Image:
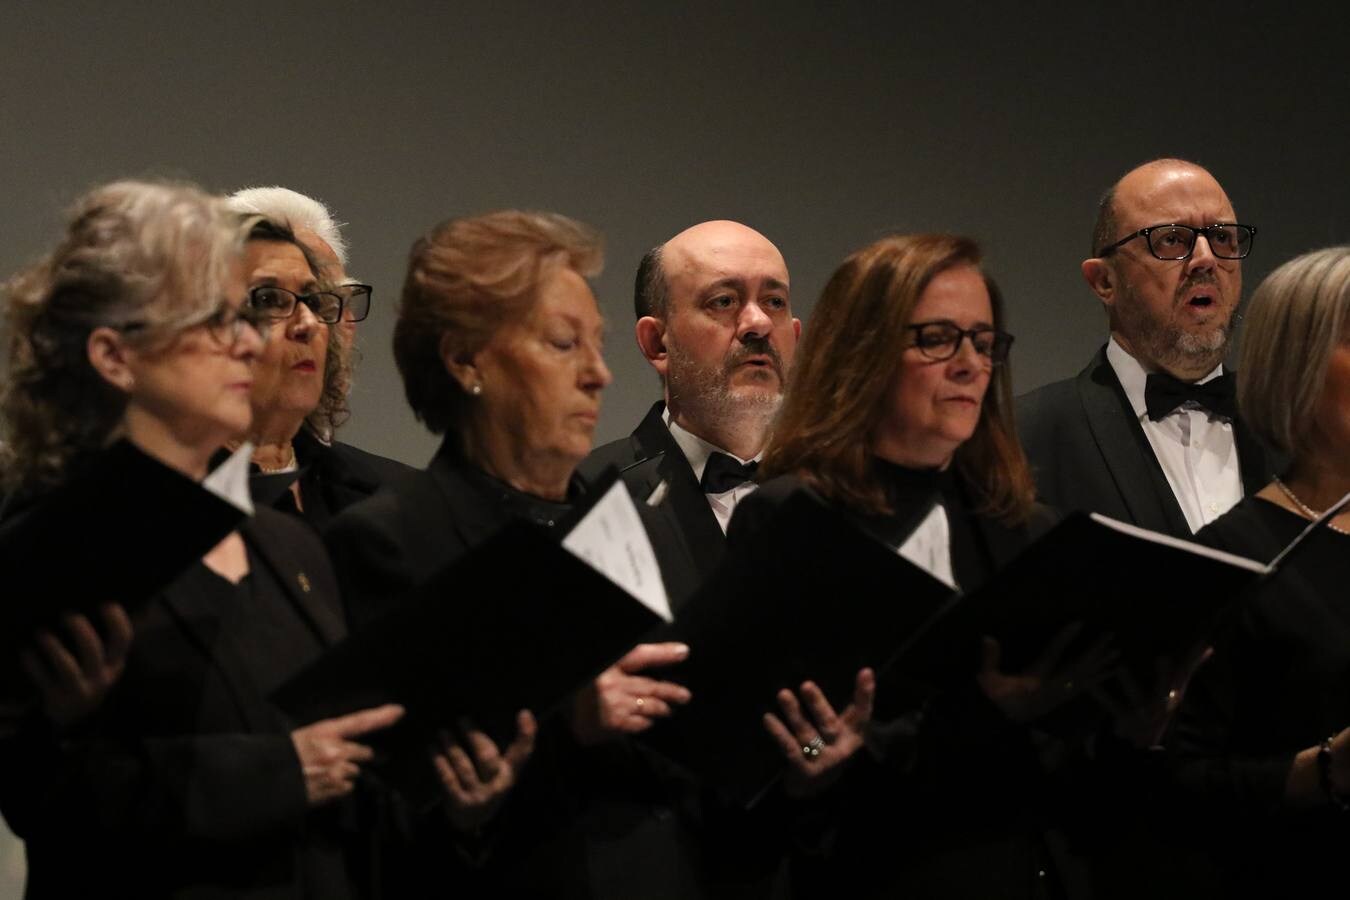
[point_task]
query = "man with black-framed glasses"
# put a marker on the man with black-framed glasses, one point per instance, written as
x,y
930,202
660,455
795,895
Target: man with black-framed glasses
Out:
x,y
1149,432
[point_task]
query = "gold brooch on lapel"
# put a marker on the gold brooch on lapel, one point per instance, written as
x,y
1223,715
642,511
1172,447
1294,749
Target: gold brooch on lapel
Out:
x,y
303,580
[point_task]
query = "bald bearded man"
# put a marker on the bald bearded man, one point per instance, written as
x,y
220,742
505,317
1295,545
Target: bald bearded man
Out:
x,y
715,322
1149,431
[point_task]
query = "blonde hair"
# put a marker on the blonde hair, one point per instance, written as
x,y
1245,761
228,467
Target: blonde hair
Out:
x,y
1294,320
150,258
466,279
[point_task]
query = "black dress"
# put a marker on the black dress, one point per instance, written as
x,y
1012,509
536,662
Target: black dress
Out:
x,y
1278,683
950,799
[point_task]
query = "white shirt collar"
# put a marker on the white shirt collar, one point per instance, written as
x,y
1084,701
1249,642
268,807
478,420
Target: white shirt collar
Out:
x,y
1133,375
695,448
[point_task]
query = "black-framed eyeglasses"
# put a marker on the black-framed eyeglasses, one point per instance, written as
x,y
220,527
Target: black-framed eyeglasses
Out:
x,y
355,301
277,304
225,325
940,341
1227,240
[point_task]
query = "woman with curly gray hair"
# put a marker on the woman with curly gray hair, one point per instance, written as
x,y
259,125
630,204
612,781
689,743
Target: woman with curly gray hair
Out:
x,y
300,396
182,781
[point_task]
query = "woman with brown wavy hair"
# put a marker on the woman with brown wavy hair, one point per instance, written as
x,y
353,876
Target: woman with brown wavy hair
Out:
x,y
899,412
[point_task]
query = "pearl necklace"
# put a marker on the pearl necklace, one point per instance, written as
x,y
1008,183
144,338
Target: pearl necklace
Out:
x,y
1305,509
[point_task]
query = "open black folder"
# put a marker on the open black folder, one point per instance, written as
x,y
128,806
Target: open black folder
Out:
x,y
813,596
519,623
1155,596
808,596
118,532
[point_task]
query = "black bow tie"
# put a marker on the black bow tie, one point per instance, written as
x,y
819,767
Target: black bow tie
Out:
x,y
722,473
1163,393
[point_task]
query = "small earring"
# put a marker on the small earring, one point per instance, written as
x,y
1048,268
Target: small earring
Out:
x,y
476,390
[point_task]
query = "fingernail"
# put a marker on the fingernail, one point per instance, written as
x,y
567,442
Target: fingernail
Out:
x,y
681,649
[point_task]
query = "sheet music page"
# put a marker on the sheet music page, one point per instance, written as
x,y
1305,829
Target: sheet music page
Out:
x,y
612,540
1157,537
229,480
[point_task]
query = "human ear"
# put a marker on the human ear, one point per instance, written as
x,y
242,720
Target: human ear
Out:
x,y
651,338
111,358
462,366
1099,276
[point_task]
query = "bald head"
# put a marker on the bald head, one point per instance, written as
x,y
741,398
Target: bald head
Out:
x,y
1143,182
720,245
714,321
1170,311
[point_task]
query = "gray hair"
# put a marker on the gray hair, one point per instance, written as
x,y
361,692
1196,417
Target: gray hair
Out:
x,y
152,255
295,210
1294,321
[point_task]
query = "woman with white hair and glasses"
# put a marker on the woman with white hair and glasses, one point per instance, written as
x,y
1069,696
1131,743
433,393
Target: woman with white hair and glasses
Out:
x,y
181,780
1261,741
297,263
298,401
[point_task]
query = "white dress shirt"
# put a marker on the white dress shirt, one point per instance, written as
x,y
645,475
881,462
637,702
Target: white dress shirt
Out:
x,y
697,451
1195,447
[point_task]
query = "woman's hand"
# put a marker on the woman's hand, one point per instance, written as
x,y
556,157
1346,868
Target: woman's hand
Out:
x,y
623,702
1048,682
329,760
72,684
816,750
476,776
1141,715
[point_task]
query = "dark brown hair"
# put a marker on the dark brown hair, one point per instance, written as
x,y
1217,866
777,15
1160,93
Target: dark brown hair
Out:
x,y
847,362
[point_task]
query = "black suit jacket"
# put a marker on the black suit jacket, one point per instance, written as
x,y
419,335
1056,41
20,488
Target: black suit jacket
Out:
x,y
1088,451
185,782
335,476
682,525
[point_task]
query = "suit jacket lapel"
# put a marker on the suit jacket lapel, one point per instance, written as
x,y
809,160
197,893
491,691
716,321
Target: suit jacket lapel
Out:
x,y
685,503
1126,452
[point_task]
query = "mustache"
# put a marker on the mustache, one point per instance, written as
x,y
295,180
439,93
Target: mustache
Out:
x,y
756,346
1196,280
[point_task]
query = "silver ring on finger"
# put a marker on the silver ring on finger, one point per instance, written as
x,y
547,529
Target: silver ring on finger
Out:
x,y
638,704
812,749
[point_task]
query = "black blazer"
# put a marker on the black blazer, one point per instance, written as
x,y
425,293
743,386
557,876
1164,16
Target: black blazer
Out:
x,y
335,476
185,782
682,525
1088,452
590,823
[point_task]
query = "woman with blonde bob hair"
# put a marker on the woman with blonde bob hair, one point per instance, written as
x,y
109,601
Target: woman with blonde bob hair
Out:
x,y
1261,737
899,413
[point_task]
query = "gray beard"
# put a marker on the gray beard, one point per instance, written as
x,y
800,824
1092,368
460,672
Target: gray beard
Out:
x,y
704,393
1169,345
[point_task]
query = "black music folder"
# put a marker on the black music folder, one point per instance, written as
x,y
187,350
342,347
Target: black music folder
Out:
x,y
520,622
119,532
1155,596
809,596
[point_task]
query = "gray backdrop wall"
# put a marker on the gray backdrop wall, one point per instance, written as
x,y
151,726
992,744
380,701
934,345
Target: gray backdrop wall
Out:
x,y
823,125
